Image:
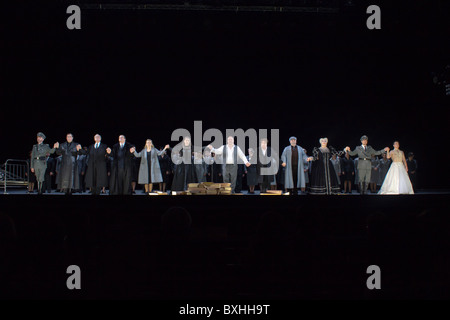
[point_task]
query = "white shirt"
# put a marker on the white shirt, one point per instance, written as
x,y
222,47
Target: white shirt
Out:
x,y
263,151
230,154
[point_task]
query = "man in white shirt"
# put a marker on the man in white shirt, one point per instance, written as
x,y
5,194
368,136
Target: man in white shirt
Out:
x,y
230,152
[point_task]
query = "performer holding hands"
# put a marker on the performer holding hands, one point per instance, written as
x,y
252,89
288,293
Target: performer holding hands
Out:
x,y
149,169
39,155
68,178
121,167
230,153
364,153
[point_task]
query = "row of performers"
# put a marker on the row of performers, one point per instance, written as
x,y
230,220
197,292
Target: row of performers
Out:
x,y
294,161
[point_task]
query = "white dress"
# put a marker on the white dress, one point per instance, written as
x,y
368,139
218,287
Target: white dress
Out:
x,y
397,179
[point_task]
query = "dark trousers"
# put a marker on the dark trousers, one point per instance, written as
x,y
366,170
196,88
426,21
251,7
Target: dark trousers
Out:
x,y
48,183
294,178
123,181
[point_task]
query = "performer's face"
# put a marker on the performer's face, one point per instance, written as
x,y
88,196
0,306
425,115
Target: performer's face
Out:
x,y
97,138
148,143
122,139
230,140
263,144
334,157
69,138
324,143
250,151
364,142
396,145
40,139
410,158
187,142
293,142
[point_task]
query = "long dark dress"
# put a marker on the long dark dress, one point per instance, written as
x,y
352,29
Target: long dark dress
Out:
x,y
184,172
348,167
149,166
165,165
68,177
323,176
266,161
252,176
200,170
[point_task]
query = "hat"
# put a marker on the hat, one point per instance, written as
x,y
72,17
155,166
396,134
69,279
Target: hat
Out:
x,y
364,138
411,154
40,134
292,138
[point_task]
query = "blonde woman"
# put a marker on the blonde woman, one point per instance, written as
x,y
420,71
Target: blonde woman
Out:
x,y
397,179
149,169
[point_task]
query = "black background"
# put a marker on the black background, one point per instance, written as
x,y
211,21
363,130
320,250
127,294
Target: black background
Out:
x,y
144,73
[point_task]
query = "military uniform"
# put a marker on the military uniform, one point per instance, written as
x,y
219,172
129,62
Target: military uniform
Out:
x,y
364,166
39,156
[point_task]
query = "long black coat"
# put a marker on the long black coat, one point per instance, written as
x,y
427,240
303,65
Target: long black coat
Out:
x,y
68,177
114,188
96,173
269,160
184,172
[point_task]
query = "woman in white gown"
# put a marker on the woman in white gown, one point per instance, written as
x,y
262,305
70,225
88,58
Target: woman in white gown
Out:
x,y
397,179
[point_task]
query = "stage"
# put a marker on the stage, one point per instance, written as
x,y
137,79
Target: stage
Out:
x,y
226,247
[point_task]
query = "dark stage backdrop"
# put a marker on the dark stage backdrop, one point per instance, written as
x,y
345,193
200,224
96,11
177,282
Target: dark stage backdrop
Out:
x,y
145,73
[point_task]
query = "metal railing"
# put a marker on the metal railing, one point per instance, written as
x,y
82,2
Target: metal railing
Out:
x,y
14,173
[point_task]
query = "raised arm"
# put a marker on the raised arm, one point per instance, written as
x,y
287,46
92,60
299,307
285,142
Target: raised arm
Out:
x,y
160,153
84,152
379,152
352,153
242,155
315,153
52,150
337,153
77,150
216,151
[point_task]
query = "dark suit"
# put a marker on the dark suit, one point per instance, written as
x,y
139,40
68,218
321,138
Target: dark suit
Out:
x,y
121,169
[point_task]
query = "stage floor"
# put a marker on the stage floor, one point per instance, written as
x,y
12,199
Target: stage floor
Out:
x,y
12,191
233,247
